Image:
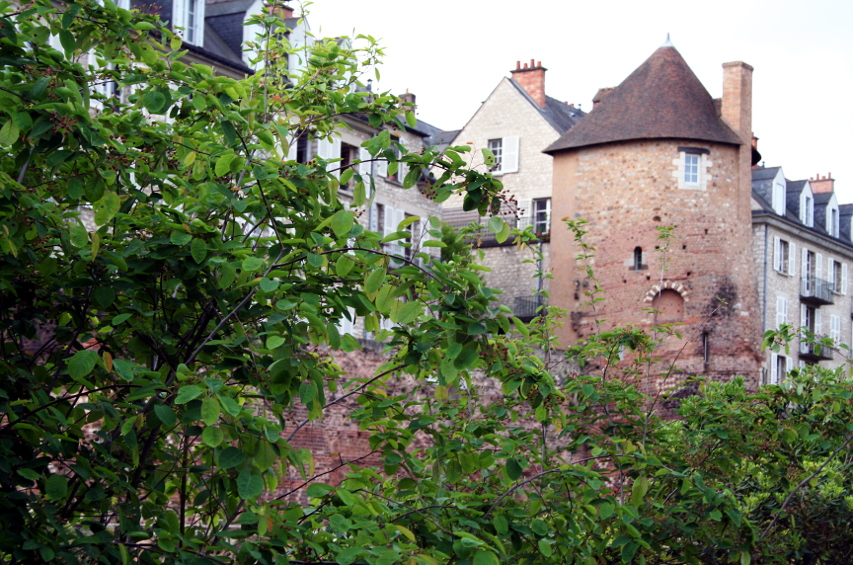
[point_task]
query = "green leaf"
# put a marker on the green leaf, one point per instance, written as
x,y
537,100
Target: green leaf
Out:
x,y
180,237
342,222
269,285
66,39
210,410
212,436
344,265
106,208
318,490
82,363
249,485
252,264
373,281
78,235
223,164
513,469
187,393
56,487
198,250
275,341
153,101
166,415
545,548
638,490
9,133
230,457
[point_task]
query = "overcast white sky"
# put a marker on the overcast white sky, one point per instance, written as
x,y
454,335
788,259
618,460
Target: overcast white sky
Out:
x,y
451,54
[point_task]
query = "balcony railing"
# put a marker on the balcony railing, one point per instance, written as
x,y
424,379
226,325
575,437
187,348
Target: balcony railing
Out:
x,y
528,307
816,352
816,291
459,220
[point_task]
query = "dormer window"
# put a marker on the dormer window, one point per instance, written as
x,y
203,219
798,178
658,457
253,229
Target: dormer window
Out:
x,y
833,222
807,211
779,198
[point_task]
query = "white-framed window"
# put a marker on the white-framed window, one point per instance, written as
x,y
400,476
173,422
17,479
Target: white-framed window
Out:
x,y
783,253
837,276
781,311
189,16
691,168
542,215
389,218
779,198
505,150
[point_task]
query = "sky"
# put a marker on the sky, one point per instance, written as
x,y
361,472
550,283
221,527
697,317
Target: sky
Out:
x,y
452,54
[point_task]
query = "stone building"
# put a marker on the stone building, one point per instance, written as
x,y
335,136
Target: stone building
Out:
x,y
802,249
516,122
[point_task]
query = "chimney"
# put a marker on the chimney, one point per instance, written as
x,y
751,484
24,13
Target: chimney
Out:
x,y
737,98
408,99
823,183
600,96
532,80
281,10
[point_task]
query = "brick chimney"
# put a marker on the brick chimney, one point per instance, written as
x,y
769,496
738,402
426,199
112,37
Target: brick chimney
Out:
x,y
408,98
281,10
600,96
531,79
736,107
823,183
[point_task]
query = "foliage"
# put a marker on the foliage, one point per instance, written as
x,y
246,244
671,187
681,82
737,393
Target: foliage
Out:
x,y
152,359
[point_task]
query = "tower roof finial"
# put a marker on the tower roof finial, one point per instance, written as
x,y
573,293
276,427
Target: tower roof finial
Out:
x,y
668,42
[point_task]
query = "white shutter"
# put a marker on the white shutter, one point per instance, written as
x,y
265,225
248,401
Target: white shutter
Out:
x,y
777,253
789,364
388,221
803,315
781,311
843,278
509,160
364,157
330,149
817,266
792,259
526,215
774,377
805,262
373,223
179,16
817,322
292,148
835,328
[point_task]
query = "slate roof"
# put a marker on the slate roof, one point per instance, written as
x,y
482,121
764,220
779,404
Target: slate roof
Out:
x,y
560,115
764,173
792,195
662,98
845,213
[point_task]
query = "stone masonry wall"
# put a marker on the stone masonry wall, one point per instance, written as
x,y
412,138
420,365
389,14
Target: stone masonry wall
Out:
x,y
626,191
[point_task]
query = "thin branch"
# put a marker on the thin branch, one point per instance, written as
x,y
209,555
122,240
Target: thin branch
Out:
x,y
803,483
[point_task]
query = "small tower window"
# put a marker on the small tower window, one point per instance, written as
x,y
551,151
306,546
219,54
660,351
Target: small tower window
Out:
x,y
691,168
638,258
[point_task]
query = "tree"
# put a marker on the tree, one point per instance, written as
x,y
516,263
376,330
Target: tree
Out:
x,y
149,358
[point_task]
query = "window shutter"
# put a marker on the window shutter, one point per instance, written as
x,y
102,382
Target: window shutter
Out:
x,y
792,259
292,148
805,262
510,154
817,265
777,253
402,168
780,311
835,328
374,218
774,361
364,157
789,364
843,278
381,168
817,322
803,315
526,214
179,16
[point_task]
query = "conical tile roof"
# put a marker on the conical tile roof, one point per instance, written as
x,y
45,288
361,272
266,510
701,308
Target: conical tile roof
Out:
x,y
661,99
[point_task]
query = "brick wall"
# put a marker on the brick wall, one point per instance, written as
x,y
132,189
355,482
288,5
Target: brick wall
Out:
x,y
626,191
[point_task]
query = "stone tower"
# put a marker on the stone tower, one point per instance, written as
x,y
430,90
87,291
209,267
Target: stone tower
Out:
x,y
658,151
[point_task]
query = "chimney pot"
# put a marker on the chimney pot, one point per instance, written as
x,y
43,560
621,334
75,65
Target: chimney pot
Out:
x,y
517,65
539,64
525,65
532,64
